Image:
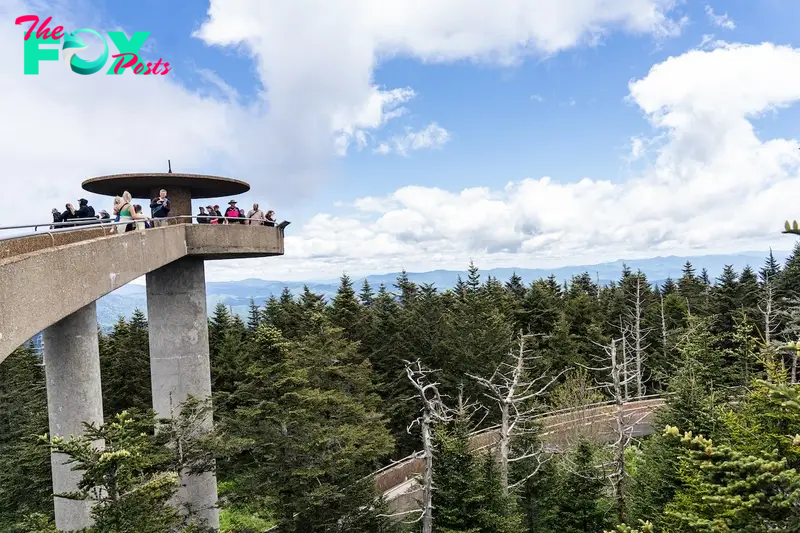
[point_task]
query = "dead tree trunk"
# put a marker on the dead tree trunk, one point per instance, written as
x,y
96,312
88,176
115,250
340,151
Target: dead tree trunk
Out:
x,y
433,412
637,336
618,479
664,339
427,476
612,362
513,389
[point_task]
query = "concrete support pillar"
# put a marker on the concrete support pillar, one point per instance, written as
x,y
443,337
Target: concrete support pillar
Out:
x,y
74,396
179,361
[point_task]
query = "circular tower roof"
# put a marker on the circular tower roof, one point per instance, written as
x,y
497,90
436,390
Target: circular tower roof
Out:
x,y
142,185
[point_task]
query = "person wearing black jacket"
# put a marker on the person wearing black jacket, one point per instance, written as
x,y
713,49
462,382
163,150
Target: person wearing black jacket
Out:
x,y
69,214
84,209
160,206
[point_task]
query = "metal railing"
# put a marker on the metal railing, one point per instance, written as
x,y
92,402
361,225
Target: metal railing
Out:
x,y
89,223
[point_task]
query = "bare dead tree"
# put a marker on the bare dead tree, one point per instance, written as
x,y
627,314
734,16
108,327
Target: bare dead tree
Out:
x,y
638,334
625,371
514,388
434,411
611,363
790,315
769,311
664,336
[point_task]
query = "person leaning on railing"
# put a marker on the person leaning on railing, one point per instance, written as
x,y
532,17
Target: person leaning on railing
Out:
x,y
255,216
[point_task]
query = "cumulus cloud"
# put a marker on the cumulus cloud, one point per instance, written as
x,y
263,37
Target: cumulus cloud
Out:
x,y
432,136
713,186
723,21
314,60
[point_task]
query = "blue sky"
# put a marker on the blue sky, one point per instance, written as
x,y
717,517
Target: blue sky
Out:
x,y
563,116
562,108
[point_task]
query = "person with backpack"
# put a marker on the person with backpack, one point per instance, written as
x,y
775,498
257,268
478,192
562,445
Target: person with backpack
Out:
x,y
85,210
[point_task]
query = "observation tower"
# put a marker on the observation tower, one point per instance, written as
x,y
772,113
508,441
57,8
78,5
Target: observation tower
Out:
x,y
60,274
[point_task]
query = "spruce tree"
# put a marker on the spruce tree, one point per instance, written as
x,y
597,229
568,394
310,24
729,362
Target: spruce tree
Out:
x,y
366,295
770,270
691,288
516,288
724,304
407,289
218,324
229,359
310,409
133,476
125,365
468,496
788,283
580,494
346,312
254,316
668,287
25,482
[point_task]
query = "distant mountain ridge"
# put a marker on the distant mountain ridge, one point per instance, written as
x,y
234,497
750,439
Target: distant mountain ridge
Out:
x,y
237,294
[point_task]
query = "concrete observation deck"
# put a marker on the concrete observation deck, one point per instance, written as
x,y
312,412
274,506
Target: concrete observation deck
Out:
x,y
181,188
50,282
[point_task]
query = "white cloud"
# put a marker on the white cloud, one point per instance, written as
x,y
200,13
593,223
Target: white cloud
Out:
x,y
537,98
713,186
433,136
314,60
638,147
723,21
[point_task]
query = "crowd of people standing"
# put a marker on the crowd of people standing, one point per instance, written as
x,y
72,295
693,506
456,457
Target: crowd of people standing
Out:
x,y
211,214
129,217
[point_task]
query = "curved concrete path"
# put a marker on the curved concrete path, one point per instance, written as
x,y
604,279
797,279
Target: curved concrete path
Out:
x,y
399,482
46,277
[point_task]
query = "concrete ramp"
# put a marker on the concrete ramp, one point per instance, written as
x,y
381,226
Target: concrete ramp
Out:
x,y
400,486
47,277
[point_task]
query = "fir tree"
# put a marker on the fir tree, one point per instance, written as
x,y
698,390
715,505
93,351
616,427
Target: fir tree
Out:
x,y
788,283
580,494
468,496
725,300
366,295
135,473
473,278
219,323
770,270
254,316
25,482
669,287
408,289
310,410
346,312
125,365
691,288
516,288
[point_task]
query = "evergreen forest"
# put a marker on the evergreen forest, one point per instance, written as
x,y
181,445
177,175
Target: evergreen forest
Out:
x,y
313,396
